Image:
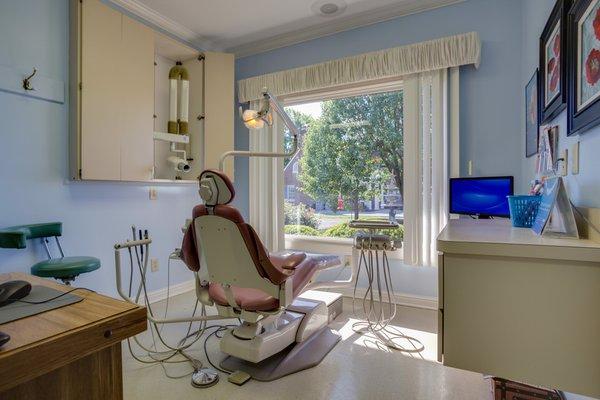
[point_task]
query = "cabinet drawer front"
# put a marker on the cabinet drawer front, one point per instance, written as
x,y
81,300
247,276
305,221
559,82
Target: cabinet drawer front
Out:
x,y
65,348
524,319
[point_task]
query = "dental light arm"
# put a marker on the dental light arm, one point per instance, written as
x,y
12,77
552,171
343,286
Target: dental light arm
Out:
x,y
256,119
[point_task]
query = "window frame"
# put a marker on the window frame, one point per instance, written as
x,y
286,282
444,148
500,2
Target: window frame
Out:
x,y
341,246
288,191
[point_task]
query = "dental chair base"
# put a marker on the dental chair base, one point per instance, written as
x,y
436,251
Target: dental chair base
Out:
x,y
296,340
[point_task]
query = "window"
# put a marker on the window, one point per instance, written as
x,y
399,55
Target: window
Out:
x,y
352,164
290,193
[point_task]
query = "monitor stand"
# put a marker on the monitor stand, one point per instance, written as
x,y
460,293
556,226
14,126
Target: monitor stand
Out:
x,y
479,216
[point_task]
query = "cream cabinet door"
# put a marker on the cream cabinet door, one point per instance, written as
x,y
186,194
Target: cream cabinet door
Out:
x,y
117,95
219,110
137,105
100,88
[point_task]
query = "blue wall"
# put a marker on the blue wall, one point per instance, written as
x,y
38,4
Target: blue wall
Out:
x,y
490,96
34,158
583,188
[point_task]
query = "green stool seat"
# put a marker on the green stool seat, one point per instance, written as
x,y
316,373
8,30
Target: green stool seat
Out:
x,y
66,267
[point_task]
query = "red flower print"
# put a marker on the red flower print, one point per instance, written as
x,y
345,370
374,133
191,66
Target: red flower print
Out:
x,y
557,44
596,24
554,79
592,67
551,65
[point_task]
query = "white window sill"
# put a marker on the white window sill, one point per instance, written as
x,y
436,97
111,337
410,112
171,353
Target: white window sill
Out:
x,y
329,245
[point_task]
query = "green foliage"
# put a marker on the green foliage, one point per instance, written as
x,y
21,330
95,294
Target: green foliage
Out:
x,y
300,214
301,230
343,230
353,149
384,129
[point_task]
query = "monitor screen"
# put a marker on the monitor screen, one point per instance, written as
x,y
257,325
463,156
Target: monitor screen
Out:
x,y
485,196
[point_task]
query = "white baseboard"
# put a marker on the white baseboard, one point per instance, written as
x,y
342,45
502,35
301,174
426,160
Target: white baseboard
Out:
x,y
402,299
179,288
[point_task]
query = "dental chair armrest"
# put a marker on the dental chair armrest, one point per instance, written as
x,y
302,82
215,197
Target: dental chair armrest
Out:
x,y
287,261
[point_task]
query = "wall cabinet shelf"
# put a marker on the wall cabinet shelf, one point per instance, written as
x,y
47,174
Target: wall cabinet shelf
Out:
x,y
120,101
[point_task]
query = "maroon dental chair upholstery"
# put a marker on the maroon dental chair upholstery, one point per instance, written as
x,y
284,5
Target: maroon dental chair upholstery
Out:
x,y
280,333
277,269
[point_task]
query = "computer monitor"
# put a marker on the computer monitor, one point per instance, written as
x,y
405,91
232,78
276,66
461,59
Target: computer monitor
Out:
x,y
481,196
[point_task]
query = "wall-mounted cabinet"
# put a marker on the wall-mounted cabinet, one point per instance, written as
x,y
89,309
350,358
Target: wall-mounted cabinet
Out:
x,y
122,101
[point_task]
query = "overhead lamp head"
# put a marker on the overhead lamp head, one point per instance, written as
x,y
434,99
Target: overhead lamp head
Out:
x,y
253,120
256,119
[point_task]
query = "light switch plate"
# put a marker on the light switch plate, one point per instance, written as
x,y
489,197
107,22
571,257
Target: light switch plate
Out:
x,y
154,265
575,158
153,193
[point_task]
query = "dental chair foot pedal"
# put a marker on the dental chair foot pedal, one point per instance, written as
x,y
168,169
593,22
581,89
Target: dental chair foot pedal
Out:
x,y
204,378
239,377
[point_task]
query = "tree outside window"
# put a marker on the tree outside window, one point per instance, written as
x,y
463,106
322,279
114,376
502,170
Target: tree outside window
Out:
x,y
350,164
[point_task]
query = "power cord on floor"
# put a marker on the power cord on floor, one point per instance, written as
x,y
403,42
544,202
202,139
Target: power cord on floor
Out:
x,y
220,328
173,352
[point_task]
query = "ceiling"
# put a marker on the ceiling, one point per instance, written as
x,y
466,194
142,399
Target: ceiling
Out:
x,y
249,27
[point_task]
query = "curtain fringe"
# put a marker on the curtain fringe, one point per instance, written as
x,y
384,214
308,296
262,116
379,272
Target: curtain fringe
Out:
x,y
452,51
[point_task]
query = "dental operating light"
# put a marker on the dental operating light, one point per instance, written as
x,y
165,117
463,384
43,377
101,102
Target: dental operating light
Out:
x,y
256,119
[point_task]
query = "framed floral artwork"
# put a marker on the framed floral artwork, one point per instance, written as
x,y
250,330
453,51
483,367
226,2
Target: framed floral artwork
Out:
x,y
553,67
532,116
584,66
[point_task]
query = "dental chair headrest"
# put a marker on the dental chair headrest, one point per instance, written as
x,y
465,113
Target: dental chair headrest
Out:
x,y
215,188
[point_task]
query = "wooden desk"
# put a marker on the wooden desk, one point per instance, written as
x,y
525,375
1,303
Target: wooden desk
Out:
x,y
73,352
520,306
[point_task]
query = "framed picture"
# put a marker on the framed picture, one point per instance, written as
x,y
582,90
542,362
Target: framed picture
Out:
x,y
553,67
584,66
532,116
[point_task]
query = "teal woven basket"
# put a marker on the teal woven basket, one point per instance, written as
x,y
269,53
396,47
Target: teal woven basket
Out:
x,y
523,210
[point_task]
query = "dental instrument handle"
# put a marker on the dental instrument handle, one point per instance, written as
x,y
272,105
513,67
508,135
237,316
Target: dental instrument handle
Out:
x,y
132,243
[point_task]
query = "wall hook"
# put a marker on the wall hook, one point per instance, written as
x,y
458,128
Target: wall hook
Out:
x,y
27,80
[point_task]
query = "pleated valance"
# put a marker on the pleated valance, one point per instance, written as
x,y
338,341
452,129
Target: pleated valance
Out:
x,y
452,51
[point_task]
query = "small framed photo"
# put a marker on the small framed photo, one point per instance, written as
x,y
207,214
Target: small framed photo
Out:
x,y
584,66
532,116
553,67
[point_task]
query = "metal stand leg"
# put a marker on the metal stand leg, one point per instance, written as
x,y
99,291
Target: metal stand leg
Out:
x,y
377,318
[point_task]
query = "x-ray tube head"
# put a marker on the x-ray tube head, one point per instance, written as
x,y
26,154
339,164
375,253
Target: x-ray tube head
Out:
x,y
179,164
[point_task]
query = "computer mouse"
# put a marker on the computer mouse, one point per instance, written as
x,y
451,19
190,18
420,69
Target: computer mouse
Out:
x,y
4,338
12,291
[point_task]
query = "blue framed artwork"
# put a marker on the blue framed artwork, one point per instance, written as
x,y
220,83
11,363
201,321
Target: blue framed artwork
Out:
x,y
584,66
553,63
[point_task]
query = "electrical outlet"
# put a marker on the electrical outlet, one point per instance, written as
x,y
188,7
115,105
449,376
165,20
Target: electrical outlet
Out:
x,y
153,194
563,164
154,264
575,158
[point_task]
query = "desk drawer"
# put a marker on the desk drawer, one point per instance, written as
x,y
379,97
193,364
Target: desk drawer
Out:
x,y
57,351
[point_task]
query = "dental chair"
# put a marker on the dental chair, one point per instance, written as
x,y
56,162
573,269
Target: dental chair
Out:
x,y
280,333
